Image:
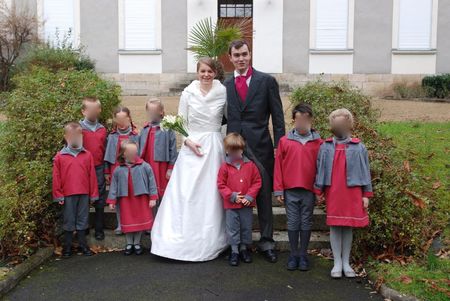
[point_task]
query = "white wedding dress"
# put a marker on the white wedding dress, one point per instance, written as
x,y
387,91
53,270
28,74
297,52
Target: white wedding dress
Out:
x,y
190,223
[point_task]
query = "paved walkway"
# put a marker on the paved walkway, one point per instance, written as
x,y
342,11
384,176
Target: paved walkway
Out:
x,y
112,276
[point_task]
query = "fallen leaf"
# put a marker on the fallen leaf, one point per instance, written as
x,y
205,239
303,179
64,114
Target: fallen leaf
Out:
x,y
436,185
406,166
405,279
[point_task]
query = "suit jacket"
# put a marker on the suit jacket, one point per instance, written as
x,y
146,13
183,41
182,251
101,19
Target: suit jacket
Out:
x,y
250,118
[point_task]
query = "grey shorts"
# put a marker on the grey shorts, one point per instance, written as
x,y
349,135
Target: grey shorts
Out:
x,y
76,212
239,225
100,173
299,204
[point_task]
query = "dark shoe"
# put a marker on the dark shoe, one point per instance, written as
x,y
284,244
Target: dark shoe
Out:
x,y
234,259
245,256
67,252
292,263
87,231
86,251
99,235
138,249
304,263
271,256
129,249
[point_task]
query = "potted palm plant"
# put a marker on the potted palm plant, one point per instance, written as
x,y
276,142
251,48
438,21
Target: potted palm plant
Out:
x,y
211,39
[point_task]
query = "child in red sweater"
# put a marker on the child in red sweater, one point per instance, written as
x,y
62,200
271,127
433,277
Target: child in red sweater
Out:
x,y
295,171
157,147
94,140
123,129
133,186
239,183
74,186
343,174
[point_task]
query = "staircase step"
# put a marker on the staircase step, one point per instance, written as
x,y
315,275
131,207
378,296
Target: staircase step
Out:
x,y
319,240
279,219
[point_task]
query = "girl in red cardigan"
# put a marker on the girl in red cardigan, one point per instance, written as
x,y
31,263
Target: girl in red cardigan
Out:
x,y
239,183
133,186
123,129
343,174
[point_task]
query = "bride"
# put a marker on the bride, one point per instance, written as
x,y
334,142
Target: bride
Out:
x,y
190,224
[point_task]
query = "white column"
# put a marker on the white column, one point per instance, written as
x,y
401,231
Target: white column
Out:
x,y
268,35
196,11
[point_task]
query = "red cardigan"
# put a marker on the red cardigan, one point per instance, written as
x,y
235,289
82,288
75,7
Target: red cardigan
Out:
x,y
95,142
295,164
74,175
245,180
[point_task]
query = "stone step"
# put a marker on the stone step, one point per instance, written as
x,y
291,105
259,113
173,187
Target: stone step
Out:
x,y
279,219
319,240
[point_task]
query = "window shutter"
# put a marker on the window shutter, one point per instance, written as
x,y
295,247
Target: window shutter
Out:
x,y
331,24
139,28
59,20
415,24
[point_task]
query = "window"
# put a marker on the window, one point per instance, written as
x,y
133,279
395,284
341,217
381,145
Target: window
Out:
x,y
59,21
139,24
415,24
332,24
235,9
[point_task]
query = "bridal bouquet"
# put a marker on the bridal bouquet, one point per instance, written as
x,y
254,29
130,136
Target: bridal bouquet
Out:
x,y
174,123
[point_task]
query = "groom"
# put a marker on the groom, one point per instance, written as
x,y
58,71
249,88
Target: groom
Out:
x,y
252,98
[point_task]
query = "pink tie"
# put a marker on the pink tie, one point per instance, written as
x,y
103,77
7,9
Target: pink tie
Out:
x,y
241,84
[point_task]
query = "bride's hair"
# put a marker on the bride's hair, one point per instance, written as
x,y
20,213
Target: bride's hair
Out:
x,y
208,62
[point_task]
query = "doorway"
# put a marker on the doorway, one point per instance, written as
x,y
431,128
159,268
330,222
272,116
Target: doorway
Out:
x,y
232,12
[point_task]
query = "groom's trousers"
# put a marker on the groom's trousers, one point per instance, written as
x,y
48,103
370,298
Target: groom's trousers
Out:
x,y
264,205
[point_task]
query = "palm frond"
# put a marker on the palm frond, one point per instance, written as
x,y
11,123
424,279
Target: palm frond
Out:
x,y
208,38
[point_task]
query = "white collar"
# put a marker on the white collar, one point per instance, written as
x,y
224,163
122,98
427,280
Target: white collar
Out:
x,y
236,73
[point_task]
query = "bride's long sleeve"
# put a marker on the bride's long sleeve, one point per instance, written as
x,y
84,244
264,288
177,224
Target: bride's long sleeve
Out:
x,y
183,110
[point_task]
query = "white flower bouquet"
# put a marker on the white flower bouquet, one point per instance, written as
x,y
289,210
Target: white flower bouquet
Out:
x,y
174,123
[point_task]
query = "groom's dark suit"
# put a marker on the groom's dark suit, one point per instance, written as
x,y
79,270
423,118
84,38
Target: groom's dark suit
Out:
x,y
250,118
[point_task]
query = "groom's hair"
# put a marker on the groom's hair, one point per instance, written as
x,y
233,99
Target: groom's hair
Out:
x,y
236,44
233,142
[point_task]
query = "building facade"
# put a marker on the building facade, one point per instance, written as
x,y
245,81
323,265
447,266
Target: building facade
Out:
x,y
142,43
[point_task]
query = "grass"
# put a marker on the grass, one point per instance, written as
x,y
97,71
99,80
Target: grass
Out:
x,y
425,149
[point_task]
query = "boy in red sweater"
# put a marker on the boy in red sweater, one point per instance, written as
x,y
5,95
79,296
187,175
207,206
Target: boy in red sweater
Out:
x,y
239,183
94,140
74,185
294,175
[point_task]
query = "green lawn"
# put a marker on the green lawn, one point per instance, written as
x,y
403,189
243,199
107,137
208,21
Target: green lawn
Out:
x,y
425,148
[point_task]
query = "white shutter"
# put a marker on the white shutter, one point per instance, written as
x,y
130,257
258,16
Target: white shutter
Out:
x,y
415,24
139,27
331,24
59,20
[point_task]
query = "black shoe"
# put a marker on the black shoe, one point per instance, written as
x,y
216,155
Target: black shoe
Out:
x,y
86,231
304,263
99,235
245,256
271,256
67,252
293,263
129,249
86,251
234,259
138,250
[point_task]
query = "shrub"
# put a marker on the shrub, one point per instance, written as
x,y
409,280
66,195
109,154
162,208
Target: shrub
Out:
x,y
437,85
41,103
404,90
63,58
401,224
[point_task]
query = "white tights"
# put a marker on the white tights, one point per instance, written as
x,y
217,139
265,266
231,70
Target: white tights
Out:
x,y
341,245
